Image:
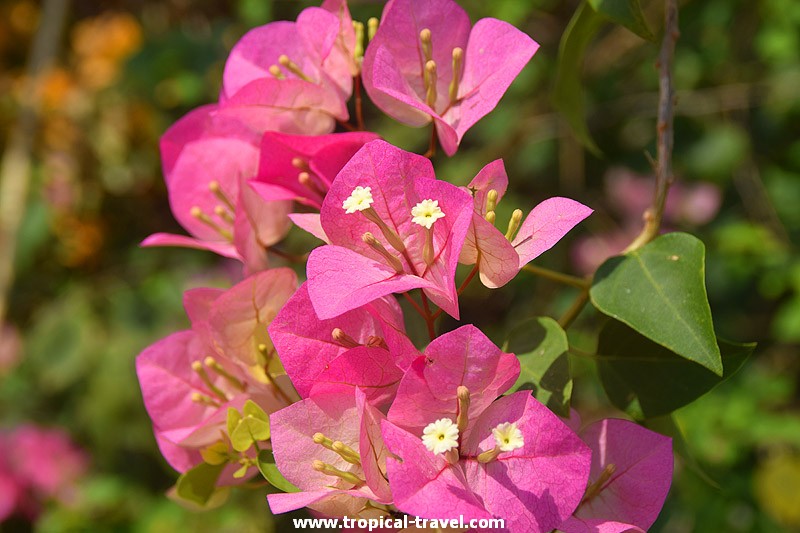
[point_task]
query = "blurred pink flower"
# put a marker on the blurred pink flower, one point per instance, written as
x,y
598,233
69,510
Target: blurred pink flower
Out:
x,y
37,464
629,195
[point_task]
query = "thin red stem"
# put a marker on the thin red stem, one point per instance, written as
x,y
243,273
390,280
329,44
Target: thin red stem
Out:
x,y
359,103
429,318
414,304
432,146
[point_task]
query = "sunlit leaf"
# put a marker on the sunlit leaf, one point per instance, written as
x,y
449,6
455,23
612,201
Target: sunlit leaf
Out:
x,y
659,290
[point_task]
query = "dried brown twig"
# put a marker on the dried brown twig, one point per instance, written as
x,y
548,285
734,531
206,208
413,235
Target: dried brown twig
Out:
x,y
665,135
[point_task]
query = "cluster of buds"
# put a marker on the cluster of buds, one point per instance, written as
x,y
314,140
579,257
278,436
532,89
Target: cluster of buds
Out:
x,y
316,385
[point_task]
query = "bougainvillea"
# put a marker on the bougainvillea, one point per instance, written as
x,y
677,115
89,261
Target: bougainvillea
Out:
x,y
321,386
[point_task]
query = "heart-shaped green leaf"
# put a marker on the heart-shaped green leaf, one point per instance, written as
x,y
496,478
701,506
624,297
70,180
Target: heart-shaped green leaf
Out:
x,y
541,346
647,380
659,290
198,485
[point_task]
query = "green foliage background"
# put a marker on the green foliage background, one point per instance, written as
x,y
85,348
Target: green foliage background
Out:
x,y
86,299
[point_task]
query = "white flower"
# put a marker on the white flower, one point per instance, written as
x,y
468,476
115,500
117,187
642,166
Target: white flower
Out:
x,y
440,436
426,213
508,437
359,199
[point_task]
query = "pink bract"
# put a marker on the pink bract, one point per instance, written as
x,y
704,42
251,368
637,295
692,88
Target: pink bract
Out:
x,y
494,52
307,97
398,180
207,149
284,157
306,347
462,357
340,415
634,493
228,327
534,488
498,259
238,318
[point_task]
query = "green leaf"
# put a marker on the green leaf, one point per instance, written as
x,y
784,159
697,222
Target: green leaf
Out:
x,y
266,464
659,290
239,474
251,408
198,485
568,95
647,380
541,346
234,417
216,454
245,430
627,13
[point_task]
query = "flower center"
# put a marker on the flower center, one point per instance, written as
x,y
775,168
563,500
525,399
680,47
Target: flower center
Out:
x,y
426,212
440,436
508,437
359,200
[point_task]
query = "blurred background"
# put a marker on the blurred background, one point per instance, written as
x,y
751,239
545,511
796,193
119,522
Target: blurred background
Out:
x,y
86,89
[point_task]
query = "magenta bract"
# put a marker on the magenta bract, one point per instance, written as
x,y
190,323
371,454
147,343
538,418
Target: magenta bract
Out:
x,y
534,488
498,259
285,157
633,493
462,357
398,181
206,157
494,52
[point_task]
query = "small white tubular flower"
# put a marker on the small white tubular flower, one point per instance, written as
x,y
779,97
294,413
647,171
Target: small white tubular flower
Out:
x,y
426,213
440,436
359,199
508,437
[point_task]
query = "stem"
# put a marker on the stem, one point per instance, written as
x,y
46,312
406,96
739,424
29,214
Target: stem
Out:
x,y
292,258
461,289
359,103
432,146
581,353
278,391
576,308
429,319
414,304
468,279
346,125
664,177
566,279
